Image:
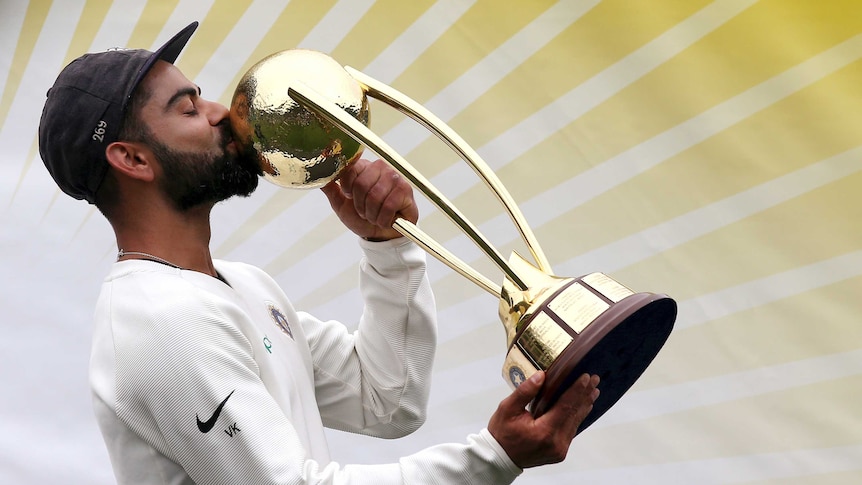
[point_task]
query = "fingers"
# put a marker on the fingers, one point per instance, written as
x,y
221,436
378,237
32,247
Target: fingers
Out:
x,y
379,193
574,404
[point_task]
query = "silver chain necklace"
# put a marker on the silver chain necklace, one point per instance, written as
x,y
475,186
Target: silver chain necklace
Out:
x,y
157,259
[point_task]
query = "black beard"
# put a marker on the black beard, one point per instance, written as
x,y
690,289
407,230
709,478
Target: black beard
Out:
x,y
193,179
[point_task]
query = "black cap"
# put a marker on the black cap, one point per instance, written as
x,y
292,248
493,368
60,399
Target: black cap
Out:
x,y
85,109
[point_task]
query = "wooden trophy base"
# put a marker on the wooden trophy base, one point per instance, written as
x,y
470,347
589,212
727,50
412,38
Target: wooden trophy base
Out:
x,y
617,346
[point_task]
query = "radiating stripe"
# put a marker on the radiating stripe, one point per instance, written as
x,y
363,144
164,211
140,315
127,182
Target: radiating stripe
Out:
x,y
684,228
31,24
53,29
758,292
645,156
792,235
480,32
343,17
151,23
12,15
393,58
692,312
643,405
778,421
606,129
797,327
231,56
519,139
590,45
463,90
217,20
115,28
806,465
288,27
20,22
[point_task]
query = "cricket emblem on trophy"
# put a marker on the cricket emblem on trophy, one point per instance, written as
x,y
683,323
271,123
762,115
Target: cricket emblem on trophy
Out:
x,y
305,117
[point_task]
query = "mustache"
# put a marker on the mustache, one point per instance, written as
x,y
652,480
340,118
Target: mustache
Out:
x,y
225,132
246,158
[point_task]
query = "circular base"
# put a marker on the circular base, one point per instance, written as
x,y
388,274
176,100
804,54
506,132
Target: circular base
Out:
x,y
617,347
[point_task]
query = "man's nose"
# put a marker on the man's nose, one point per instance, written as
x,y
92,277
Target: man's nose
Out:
x,y
216,112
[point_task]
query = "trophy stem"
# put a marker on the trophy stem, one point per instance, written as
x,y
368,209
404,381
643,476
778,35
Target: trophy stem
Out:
x,y
310,99
429,120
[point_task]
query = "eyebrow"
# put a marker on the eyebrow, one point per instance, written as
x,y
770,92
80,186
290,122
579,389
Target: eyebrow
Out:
x,y
182,93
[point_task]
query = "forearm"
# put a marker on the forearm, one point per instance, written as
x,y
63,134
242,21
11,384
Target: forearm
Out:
x,y
376,381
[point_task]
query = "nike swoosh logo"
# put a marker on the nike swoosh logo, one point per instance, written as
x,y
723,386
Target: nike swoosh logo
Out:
x,y
206,426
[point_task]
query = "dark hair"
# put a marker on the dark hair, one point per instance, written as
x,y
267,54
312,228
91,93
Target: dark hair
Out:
x,y
133,127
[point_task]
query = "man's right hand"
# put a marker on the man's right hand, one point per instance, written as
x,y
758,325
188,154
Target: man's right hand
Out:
x,y
533,442
369,196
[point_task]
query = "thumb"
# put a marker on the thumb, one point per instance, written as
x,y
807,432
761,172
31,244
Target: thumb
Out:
x,y
333,192
525,393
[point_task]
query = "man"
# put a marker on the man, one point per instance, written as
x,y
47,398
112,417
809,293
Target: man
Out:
x,y
201,370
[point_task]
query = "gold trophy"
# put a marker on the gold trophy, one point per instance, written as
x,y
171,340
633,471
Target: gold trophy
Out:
x,y
305,117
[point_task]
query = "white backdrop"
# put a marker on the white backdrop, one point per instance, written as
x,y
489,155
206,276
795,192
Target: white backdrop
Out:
x,y
708,150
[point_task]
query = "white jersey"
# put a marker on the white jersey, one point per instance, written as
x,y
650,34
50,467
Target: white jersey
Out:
x,y
198,380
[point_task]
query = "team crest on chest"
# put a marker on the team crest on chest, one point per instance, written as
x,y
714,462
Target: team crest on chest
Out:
x,y
278,317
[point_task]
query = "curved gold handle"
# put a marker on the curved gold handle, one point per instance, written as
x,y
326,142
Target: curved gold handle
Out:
x,y
429,120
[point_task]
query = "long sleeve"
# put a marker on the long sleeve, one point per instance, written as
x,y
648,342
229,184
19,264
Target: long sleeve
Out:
x,y
376,380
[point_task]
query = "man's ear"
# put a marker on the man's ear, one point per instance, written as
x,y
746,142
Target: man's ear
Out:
x,y
131,159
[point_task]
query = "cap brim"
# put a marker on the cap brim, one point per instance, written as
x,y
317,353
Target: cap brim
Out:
x,y
167,52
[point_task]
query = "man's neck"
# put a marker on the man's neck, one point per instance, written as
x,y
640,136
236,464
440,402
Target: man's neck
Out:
x,y
179,238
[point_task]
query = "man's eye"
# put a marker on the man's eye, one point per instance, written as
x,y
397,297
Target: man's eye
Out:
x,y
189,107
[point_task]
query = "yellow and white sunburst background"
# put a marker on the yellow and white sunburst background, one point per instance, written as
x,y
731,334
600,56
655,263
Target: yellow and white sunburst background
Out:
x,y
710,150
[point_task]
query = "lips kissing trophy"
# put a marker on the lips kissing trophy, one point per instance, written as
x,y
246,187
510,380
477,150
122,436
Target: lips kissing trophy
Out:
x,y
305,117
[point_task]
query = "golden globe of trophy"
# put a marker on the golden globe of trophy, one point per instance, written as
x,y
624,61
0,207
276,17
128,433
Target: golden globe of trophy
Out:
x,y
305,117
